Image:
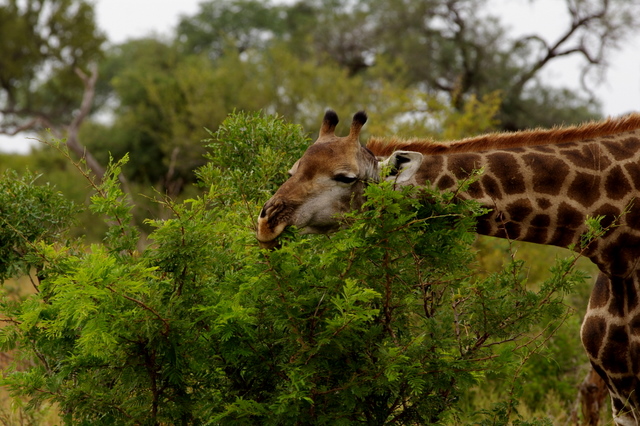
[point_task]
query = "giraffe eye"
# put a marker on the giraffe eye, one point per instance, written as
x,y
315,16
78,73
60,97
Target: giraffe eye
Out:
x,y
345,178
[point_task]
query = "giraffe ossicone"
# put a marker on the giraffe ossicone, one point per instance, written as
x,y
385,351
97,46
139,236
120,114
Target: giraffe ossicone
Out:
x,y
539,186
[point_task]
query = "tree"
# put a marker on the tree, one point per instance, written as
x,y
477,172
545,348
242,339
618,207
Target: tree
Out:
x,y
447,47
47,68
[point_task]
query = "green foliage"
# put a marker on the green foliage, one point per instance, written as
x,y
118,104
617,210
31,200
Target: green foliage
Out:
x,y
29,214
383,322
52,35
255,149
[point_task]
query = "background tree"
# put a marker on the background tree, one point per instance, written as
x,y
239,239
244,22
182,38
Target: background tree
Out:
x,y
47,47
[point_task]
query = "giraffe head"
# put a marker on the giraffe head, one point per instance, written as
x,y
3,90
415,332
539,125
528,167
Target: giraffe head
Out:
x,y
326,182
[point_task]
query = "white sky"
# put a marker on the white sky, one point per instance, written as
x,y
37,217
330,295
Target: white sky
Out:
x,y
620,93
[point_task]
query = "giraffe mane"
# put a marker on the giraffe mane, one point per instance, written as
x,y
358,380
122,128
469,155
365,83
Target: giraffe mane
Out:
x,y
557,135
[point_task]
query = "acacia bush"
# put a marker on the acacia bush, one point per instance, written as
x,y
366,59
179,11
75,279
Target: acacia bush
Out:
x,y
384,322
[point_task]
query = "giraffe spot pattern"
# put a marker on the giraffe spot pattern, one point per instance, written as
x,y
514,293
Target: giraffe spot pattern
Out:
x,y
519,210
593,333
536,235
548,171
544,194
513,230
617,185
623,253
475,190
491,187
544,203
622,149
633,169
462,165
631,296
632,218
600,292
610,213
507,171
569,216
445,182
614,353
585,188
588,157
562,238
624,385
634,325
616,301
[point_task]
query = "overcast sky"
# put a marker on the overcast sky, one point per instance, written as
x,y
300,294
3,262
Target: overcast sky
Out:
x,y
620,93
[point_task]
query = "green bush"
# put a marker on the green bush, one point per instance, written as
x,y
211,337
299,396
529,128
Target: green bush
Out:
x,y
383,322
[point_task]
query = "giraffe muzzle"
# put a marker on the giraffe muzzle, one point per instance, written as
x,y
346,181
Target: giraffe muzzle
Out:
x,y
271,222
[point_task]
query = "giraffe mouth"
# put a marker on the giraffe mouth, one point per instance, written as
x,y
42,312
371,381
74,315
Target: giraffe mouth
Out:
x,y
270,245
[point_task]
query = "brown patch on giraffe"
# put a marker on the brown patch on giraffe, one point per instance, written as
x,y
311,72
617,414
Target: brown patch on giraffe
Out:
x,y
519,210
616,185
616,301
507,171
632,295
538,229
512,230
623,254
463,165
600,293
562,238
624,385
614,352
544,203
634,326
634,353
585,188
587,157
594,330
491,187
432,166
536,235
445,182
484,224
623,149
634,173
475,190
569,216
541,221
632,217
547,179
610,213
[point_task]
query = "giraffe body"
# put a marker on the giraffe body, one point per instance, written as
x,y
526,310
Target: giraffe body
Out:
x,y
539,186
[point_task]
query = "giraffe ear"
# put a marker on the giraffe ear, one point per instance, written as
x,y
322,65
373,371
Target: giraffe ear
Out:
x,y
403,165
359,119
329,124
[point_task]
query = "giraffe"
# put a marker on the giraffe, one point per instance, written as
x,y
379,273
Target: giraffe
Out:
x,y
539,186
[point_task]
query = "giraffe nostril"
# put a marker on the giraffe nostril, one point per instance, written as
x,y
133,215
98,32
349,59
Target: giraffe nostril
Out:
x,y
263,213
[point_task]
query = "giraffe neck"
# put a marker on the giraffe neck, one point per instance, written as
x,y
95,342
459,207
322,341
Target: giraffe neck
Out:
x,y
544,194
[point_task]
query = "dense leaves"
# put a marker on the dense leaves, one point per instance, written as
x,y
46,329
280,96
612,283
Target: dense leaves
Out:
x,y
29,214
